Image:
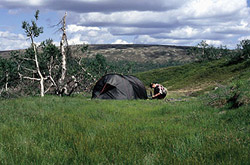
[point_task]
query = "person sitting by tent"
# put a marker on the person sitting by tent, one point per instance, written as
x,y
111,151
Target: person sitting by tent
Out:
x,y
160,91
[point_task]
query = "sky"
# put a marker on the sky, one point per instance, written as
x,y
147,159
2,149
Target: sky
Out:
x,y
161,22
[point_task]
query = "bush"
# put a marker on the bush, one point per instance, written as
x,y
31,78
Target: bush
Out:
x,y
241,53
8,76
232,96
245,44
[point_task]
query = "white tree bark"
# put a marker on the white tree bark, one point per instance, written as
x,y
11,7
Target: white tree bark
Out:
x,y
7,81
62,83
38,68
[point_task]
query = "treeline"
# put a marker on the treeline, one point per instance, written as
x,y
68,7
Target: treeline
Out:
x,y
205,52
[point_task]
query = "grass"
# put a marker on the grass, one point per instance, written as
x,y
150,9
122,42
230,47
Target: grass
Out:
x,y
76,130
204,75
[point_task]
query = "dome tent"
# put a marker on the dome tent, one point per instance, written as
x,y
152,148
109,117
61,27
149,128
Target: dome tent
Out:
x,y
120,87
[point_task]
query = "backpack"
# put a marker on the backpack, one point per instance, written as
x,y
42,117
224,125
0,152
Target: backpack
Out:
x,y
162,89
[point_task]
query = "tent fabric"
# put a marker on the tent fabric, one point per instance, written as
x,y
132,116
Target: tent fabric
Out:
x,y
120,87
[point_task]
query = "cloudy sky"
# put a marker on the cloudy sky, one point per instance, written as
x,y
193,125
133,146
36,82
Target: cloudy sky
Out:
x,y
165,22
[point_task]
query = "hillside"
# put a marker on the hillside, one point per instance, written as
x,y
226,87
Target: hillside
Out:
x,y
198,76
136,53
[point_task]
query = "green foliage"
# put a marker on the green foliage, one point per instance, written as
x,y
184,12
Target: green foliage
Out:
x,y
37,14
7,72
98,65
48,131
49,58
8,77
245,44
84,48
205,52
241,53
32,30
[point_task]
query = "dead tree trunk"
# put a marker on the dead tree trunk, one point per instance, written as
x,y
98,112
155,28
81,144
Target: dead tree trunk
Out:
x,y
38,68
7,81
62,84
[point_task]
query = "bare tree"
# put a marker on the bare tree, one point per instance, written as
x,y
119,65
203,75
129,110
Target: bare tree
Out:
x,y
62,85
32,31
41,67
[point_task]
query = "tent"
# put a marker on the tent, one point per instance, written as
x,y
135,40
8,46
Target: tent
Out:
x,y
120,87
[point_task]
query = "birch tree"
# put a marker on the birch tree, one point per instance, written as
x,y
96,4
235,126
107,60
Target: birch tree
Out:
x,y
32,31
63,86
67,82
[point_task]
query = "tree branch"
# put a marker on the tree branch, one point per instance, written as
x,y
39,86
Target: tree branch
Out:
x,y
31,78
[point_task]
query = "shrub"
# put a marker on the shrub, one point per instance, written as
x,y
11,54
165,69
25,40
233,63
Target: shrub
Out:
x,y
232,96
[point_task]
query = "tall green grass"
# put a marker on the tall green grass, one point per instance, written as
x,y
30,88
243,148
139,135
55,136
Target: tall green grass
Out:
x,y
77,130
195,75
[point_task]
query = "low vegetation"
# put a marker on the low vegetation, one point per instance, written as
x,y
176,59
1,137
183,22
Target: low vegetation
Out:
x,y
198,75
232,96
66,130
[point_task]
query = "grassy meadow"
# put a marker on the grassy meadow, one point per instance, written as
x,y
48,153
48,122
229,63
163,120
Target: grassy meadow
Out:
x,y
204,126
78,130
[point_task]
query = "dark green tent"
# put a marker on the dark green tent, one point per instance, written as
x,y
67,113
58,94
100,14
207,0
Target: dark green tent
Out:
x,y
120,87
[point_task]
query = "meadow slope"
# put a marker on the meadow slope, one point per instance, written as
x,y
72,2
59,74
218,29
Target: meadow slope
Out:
x,y
198,77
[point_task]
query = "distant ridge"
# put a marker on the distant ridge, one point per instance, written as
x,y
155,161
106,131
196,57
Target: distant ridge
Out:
x,y
130,52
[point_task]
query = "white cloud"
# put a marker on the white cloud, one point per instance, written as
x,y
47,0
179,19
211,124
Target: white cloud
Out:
x,y
128,19
35,2
185,32
214,42
84,6
195,20
211,8
11,41
14,11
91,35
244,38
76,39
171,22
120,41
20,3
74,28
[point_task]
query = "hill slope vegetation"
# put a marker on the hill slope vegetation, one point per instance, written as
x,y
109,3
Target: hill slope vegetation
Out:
x,y
198,76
